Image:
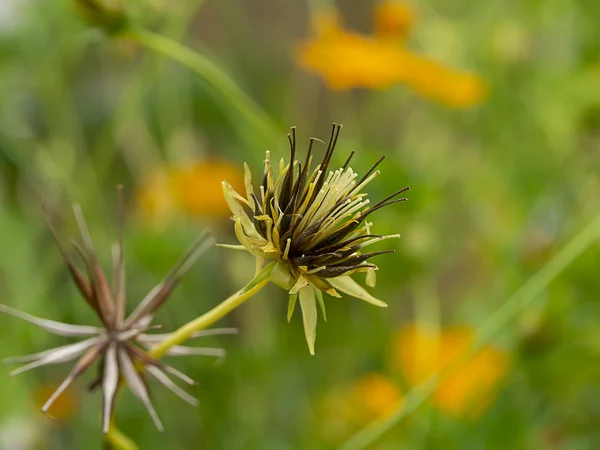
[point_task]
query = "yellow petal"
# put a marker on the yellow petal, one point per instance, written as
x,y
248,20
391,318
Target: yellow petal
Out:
x,y
301,282
282,277
371,278
308,304
235,201
348,286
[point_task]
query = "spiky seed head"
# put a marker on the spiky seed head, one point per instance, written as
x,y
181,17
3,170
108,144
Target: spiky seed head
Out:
x,y
120,344
314,223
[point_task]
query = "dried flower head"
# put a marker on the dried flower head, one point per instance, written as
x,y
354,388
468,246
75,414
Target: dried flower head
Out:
x,y
313,222
120,343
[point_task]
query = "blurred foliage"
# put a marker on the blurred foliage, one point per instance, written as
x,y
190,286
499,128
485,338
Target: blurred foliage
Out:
x,y
496,190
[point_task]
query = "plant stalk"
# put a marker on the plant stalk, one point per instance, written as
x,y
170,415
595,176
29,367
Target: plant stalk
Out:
x,y
221,310
115,437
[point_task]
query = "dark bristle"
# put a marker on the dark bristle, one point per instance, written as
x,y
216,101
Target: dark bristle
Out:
x,y
381,205
363,257
285,197
338,245
257,208
345,166
335,133
371,170
332,272
301,183
389,197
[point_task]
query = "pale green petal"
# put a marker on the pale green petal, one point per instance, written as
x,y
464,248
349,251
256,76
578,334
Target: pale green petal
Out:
x,y
308,304
291,306
235,202
348,286
282,277
241,236
248,183
319,295
371,278
300,284
232,247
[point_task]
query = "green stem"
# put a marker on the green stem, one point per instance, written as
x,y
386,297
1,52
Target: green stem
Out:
x,y
221,310
119,441
218,81
519,301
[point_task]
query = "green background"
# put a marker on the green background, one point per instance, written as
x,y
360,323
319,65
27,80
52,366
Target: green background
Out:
x,y
496,191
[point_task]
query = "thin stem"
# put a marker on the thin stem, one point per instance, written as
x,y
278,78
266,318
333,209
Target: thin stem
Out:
x,y
519,301
219,82
118,441
221,310
114,436
105,148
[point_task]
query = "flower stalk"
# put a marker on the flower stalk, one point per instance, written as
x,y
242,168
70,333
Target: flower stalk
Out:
x,y
215,314
262,278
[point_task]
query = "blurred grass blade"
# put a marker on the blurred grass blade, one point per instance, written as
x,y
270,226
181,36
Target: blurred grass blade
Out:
x,y
509,310
218,81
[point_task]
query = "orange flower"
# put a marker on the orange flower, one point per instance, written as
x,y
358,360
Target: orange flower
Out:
x,y
155,199
445,85
192,191
376,395
198,191
393,19
371,396
346,59
63,407
469,389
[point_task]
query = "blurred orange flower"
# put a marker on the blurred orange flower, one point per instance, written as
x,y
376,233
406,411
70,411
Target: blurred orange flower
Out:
x,y
63,407
369,397
193,191
346,59
376,395
393,19
469,389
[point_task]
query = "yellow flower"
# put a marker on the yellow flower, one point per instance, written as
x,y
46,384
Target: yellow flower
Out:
x,y
346,59
371,396
197,189
469,389
191,190
155,199
376,396
64,406
393,19
447,86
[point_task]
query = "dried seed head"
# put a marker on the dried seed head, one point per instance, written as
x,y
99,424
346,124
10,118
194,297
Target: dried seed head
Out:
x,y
120,345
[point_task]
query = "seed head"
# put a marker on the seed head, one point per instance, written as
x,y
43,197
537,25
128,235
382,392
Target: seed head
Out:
x,y
120,344
313,222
